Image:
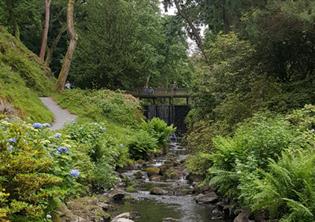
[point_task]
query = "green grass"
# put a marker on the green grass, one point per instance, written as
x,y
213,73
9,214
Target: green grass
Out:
x,y
120,112
23,78
102,105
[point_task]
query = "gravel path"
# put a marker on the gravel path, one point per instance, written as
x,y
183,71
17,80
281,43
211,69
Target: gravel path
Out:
x,y
61,116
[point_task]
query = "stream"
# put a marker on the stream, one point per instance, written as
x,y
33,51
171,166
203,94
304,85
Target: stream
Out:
x,y
160,192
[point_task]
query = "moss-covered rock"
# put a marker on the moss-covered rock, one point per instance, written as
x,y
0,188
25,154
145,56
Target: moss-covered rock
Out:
x,y
152,171
86,208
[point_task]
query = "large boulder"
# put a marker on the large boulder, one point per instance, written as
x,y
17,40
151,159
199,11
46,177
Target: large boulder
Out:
x,y
124,217
117,195
243,216
82,210
208,198
152,171
158,191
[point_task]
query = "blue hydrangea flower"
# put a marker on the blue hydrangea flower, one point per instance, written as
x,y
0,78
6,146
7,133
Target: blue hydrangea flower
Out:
x,y
10,148
62,150
75,173
37,125
12,140
46,125
57,135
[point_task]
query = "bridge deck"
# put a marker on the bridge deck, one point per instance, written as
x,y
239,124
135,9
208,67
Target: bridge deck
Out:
x,y
161,93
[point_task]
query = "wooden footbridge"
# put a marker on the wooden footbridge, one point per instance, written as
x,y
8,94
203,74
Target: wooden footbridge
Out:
x,y
169,104
162,93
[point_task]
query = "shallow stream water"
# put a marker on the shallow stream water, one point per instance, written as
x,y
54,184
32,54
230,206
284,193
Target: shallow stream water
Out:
x,y
176,204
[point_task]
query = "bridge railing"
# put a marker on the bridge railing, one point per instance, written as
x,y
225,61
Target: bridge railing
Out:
x,y
161,92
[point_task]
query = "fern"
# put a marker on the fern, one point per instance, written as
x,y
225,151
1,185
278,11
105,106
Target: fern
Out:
x,y
287,191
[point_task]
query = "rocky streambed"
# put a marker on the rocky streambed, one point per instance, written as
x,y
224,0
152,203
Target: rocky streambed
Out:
x,y
159,191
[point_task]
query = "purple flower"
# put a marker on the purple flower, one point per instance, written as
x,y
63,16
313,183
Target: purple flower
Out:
x,y
75,173
37,125
12,140
62,150
57,135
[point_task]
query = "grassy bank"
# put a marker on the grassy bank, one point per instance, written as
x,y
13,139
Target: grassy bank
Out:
x,y
23,78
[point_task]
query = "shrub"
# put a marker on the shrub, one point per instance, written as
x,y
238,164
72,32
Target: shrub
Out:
x,y
287,189
199,163
158,129
304,118
37,170
255,141
199,138
103,149
141,145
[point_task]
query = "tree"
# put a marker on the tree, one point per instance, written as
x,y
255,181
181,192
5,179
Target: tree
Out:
x,y
45,30
73,37
23,20
192,28
123,44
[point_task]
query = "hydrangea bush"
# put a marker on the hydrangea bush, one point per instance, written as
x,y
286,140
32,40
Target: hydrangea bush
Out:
x,y
104,149
38,168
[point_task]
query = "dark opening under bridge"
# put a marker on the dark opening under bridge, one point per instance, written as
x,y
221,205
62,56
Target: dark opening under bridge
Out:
x,y
169,104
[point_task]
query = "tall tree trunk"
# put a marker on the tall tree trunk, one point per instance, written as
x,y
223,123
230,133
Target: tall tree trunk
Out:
x,y
225,18
73,37
194,31
51,49
45,30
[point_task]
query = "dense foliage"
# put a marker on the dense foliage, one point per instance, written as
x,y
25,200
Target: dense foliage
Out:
x,y
253,144
123,122
252,74
122,44
41,168
257,64
38,169
154,51
262,63
266,164
158,129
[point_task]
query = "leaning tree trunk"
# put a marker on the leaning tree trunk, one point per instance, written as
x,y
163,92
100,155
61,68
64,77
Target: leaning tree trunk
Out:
x,y
194,31
45,30
73,38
